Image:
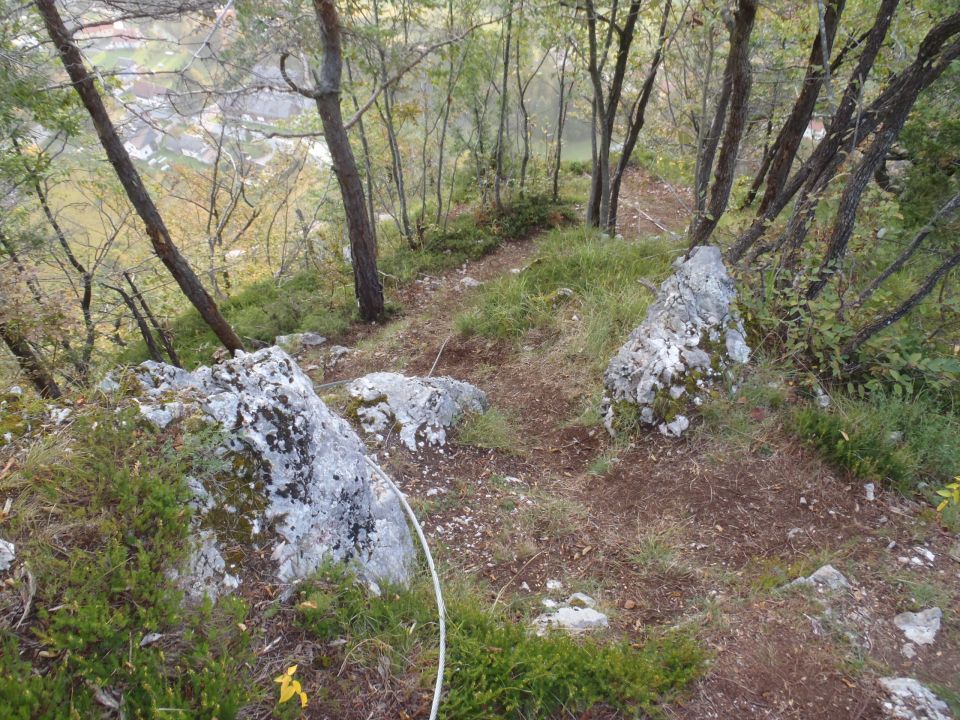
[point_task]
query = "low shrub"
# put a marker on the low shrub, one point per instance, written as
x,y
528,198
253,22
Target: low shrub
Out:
x,y
898,441
99,527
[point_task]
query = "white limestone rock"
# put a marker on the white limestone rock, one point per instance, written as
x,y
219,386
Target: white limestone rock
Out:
x,y
570,619
690,336
8,553
920,627
299,342
311,495
423,407
824,578
908,699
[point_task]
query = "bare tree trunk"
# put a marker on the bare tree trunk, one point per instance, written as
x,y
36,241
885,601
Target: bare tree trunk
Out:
x,y
738,77
637,118
368,168
561,120
820,166
326,94
167,344
163,245
926,287
892,122
31,364
944,213
145,333
498,178
791,134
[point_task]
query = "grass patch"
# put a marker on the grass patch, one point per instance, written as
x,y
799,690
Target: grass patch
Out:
x,y
493,429
577,272
99,522
472,236
496,667
261,311
901,442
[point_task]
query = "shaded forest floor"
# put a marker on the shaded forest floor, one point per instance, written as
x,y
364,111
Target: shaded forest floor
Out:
x,y
703,532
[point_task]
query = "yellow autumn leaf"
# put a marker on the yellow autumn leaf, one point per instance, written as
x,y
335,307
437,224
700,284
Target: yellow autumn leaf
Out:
x,y
942,505
286,692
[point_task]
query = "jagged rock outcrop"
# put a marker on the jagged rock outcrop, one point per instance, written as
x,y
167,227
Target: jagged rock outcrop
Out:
x,y
301,491
690,336
423,407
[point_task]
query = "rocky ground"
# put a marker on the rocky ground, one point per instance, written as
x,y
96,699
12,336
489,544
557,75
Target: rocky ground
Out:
x,y
705,532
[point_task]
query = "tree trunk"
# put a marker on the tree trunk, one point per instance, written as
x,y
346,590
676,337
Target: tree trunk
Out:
x,y
636,121
167,344
944,213
31,364
827,156
791,134
145,333
868,331
498,178
738,77
561,120
326,94
163,245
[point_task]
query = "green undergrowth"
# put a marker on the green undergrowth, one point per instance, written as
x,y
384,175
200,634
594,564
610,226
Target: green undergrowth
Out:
x,y
307,302
578,273
473,235
100,515
496,668
494,429
323,301
898,441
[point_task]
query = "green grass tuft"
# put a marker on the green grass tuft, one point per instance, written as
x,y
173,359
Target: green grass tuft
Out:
x,y
495,666
857,435
493,429
601,273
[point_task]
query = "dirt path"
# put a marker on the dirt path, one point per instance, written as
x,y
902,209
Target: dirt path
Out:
x,y
700,533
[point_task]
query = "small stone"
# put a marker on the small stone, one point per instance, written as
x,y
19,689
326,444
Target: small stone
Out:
x,y
909,651
629,604
469,282
150,639
793,532
15,390
895,437
8,553
920,627
524,586
908,699
870,491
826,577
581,600
571,619
554,585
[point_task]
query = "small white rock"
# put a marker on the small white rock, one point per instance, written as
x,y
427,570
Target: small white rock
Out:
x,y
920,627
8,553
554,585
870,490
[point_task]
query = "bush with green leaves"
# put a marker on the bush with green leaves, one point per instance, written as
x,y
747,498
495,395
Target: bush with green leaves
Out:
x,y
497,668
100,524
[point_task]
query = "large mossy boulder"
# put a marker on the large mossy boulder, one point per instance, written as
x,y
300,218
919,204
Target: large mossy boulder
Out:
x,y
689,339
300,492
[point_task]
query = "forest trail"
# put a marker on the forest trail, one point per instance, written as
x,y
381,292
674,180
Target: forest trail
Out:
x,y
700,533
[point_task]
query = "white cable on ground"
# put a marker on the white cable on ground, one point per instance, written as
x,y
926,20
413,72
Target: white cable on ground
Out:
x,y
441,608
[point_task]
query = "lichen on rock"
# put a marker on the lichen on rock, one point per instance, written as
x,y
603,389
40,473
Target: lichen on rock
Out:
x,y
316,497
422,407
690,337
